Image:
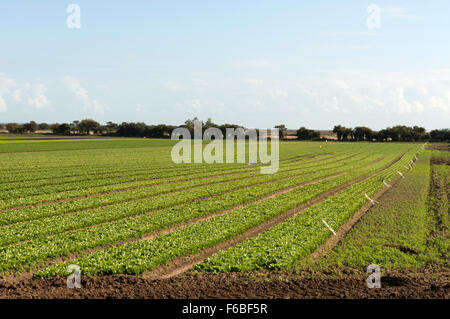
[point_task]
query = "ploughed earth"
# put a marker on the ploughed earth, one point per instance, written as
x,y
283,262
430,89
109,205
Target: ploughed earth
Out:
x,y
420,283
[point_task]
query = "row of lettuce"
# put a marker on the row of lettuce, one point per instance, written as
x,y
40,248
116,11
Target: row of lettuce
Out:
x,y
284,245
144,255
40,221
121,227
177,186
103,184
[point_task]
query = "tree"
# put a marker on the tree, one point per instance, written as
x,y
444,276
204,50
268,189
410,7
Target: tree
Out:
x,y
30,127
88,125
419,133
440,135
189,124
132,129
224,127
43,126
209,123
14,128
338,130
345,133
112,127
304,134
282,131
61,129
400,133
362,133
75,127
380,136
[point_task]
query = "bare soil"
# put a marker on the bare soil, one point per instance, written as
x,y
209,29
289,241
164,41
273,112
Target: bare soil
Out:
x,y
440,147
421,283
440,161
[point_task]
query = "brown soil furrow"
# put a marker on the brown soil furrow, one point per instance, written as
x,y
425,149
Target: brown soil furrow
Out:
x,y
296,159
280,192
197,200
177,226
100,173
112,192
150,196
184,263
289,160
132,188
222,212
151,211
88,149
323,249
137,199
200,199
332,241
153,234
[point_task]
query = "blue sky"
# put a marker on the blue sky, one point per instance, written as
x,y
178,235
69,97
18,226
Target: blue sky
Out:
x,y
256,63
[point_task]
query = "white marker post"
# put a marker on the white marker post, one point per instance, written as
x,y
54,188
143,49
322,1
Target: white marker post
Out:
x,y
331,229
370,199
401,174
386,184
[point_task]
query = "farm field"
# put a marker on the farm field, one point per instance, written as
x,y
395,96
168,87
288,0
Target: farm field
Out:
x,y
120,209
48,143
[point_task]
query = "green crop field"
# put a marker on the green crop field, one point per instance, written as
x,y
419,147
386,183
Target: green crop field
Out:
x,y
115,206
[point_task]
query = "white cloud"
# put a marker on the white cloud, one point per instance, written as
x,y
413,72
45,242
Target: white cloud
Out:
x,y
349,96
139,107
254,63
82,94
362,47
6,85
172,86
191,105
329,46
38,99
374,92
17,95
355,47
278,93
3,107
350,33
34,93
332,105
253,81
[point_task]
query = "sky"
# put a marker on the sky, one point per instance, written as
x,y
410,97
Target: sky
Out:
x,y
256,63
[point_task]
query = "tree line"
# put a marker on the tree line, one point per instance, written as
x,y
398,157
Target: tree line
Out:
x,y
140,129
125,129
399,133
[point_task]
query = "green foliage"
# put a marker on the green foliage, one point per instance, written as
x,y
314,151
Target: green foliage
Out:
x,y
305,134
282,246
400,231
140,191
